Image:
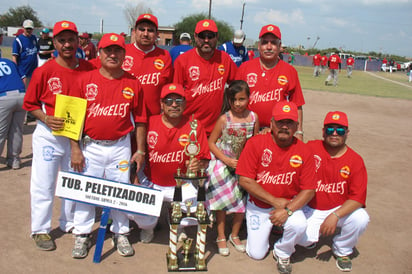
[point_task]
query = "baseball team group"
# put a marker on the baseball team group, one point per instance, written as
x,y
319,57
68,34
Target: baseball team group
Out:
x,y
141,108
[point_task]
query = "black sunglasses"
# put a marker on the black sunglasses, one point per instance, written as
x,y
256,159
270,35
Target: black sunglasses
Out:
x,y
339,130
169,101
209,35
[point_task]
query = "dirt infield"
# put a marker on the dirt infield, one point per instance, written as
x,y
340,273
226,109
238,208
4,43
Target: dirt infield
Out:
x,y
380,132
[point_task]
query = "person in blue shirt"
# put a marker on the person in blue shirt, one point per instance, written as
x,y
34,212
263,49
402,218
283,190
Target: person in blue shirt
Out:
x,y
12,114
25,49
185,44
235,48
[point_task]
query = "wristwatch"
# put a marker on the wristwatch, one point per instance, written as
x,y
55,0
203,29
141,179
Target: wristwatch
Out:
x,y
290,212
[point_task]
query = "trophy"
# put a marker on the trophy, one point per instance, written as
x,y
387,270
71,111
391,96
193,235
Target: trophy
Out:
x,y
184,260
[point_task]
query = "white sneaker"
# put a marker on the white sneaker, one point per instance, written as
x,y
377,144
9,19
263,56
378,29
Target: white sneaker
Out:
x,y
81,246
146,235
123,246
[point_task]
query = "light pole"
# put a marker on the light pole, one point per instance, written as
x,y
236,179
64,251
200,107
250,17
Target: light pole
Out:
x,y
243,13
210,9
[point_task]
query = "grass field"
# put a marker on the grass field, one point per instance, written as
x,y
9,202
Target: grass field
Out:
x,y
361,82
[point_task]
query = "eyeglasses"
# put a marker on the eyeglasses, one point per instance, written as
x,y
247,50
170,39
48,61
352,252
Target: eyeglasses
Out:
x,y
169,101
209,35
339,130
146,29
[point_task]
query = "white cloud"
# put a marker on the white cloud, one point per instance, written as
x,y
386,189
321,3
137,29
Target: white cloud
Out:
x,y
276,16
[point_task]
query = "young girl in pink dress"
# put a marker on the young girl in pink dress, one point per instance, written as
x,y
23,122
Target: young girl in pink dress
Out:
x,y
224,195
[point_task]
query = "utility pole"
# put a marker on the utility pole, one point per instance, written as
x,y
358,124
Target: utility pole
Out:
x,y
243,13
210,9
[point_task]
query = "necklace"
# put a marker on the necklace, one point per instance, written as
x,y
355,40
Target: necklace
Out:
x,y
264,70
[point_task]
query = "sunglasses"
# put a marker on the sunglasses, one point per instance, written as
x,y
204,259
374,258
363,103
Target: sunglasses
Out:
x,y
208,35
146,29
339,130
169,101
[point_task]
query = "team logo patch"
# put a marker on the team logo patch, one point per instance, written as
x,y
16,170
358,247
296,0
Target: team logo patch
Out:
x,y
123,165
254,222
114,38
270,28
251,79
65,25
266,157
128,93
183,140
48,153
336,117
318,162
91,92
206,24
55,85
152,138
159,64
295,161
128,63
282,80
221,69
345,172
194,73
286,108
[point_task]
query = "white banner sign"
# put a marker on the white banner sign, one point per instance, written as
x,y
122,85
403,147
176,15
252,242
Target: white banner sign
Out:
x,y
105,193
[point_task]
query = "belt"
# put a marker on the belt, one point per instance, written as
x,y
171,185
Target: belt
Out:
x,y
12,92
86,140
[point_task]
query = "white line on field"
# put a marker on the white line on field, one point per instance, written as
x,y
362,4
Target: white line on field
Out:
x,y
393,81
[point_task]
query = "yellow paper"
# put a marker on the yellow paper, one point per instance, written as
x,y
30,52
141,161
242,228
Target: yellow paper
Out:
x,y
73,110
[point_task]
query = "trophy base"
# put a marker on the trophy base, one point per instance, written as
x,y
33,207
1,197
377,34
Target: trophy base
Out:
x,y
190,264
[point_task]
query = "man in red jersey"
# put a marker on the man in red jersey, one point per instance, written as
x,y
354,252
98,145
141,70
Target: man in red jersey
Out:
x,y
203,71
147,62
271,80
277,170
340,194
316,63
334,63
349,66
113,97
87,46
51,153
167,136
324,62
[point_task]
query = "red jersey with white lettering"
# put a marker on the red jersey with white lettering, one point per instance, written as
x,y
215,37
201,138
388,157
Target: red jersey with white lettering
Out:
x,y
110,104
316,59
153,69
204,82
324,61
283,172
166,149
350,61
339,179
267,87
334,61
49,80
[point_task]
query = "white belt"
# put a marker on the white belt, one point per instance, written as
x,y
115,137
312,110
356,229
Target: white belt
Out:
x,y
86,140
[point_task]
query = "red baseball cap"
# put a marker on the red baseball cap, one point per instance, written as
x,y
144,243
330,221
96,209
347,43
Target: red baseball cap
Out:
x,y
336,117
172,88
285,110
19,31
204,25
110,39
84,35
147,17
270,29
64,25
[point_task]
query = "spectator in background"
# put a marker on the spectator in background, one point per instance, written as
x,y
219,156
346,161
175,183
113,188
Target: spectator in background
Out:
x,y
235,48
384,64
12,114
87,46
391,65
409,69
350,62
46,46
324,62
251,53
25,49
185,44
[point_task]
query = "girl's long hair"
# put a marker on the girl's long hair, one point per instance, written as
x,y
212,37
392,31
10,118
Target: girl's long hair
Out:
x,y
231,91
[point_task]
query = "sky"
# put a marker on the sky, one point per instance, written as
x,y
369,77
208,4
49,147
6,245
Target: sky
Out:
x,y
383,26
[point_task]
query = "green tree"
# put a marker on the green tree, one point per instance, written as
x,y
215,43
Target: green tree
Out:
x,y
188,24
16,16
